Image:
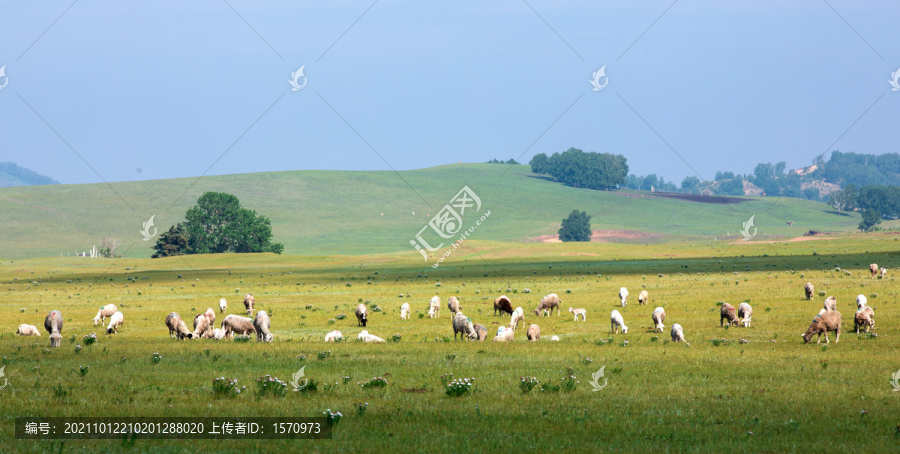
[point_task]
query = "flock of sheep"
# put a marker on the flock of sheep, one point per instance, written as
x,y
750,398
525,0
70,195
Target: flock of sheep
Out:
x,y
828,319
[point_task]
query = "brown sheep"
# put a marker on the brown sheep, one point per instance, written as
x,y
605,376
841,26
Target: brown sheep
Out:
x,y
873,268
249,302
728,313
453,305
202,328
547,304
503,305
54,324
177,327
808,288
480,331
864,318
830,303
823,323
534,333
237,324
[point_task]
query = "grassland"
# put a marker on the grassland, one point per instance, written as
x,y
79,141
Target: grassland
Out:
x,y
771,394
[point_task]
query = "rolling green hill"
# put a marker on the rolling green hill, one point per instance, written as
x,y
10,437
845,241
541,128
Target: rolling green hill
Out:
x,y
346,212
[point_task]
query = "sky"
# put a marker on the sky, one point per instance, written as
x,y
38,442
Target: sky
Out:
x,y
120,91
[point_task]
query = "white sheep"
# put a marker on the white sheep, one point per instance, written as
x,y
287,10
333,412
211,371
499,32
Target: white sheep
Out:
x,y
28,330
534,333
577,312
659,316
884,272
218,333
404,311
453,305
617,322
808,289
249,303
547,304
334,336
744,313
434,306
236,324
462,325
177,327
554,338
362,315
223,305
54,324
504,334
366,337
211,316
643,297
115,322
202,327
261,324
105,311
873,268
861,301
678,334
623,296
517,316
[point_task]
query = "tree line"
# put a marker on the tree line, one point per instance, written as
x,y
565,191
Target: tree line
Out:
x,y
576,168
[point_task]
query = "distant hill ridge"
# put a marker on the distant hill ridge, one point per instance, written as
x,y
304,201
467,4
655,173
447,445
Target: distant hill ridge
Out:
x,y
11,174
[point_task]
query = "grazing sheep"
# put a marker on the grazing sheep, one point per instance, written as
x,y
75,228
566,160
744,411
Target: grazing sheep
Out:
x,y
261,324
404,311
202,327
431,313
463,326
236,324
28,330
861,301
643,297
830,303
577,312
864,318
884,272
211,316
105,311
517,316
534,333
823,323
177,327
223,305
728,313
218,333
873,268
678,334
366,337
554,339
659,316
434,306
808,288
115,322
54,324
547,304
480,331
744,313
334,336
503,305
504,334
453,305
249,302
617,322
362,314
623,295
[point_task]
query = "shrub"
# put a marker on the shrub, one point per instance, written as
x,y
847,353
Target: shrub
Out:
x,y
90,339
460,387
374,382
526,384
226,387
270,386
569,383
332,418
156,358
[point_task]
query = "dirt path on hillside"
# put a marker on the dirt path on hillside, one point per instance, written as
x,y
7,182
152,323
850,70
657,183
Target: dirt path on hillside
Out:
x,y
606,236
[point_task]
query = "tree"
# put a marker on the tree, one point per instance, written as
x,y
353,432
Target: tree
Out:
x,y
171,243
539,163
583,170
576,227
870,218
690,184
218,224
843,199
108,247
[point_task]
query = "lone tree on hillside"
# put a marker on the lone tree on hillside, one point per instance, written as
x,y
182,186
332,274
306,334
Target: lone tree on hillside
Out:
x,y
576,227
870,218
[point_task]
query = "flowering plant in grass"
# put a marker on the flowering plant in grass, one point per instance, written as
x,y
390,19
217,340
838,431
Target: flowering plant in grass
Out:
x,y
270,386
361,408
374,382
460,387
569,383
526,384
332,418
77,349
90,339
226,387
156,358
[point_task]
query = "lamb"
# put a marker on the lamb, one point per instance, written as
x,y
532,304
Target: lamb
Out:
x,y
223,305
808,288
177,327
534,333
211,316
480,332
830,303
432,313
434,306
218,333
366,337
115,322
643,297
517,316
503,305
678,334
28,330
554,339
362,315
261,324
659,316
105,311
873,268
744,313
453,305
623,295
404,311
504,334
884,272
617,322
462,325
728,313
861,301
334,336
864,318
547,304
249,302
54,324
823,323
236,324
577,312
201,327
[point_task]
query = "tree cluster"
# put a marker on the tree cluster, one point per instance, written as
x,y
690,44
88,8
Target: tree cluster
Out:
x,y
582,170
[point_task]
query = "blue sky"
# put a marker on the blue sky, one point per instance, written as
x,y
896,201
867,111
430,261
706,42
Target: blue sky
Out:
x,y
148,90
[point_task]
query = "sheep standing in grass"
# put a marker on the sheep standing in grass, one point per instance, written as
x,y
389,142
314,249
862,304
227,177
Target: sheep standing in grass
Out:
x,y
503,305
873,268
249,303
404,311
864,317
211,316
808,288
28,330
367,338
830,303
659,316
623,296
480,331
884,272
617,322
728,313
236,324
678,334
823,323
334,336
54,324
504,334
115,322
105,311
643,297
577,312
223,305
462,325
547,304
744,313
453,305
517,316
434,306
861,301
177,327
202,328
362,314
261,324
534,333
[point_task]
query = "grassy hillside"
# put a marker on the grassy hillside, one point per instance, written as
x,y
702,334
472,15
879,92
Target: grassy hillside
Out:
x,y
343,212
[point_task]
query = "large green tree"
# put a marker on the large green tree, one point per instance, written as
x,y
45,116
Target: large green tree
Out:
x,y
582,170
171,243
576,227
219,224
